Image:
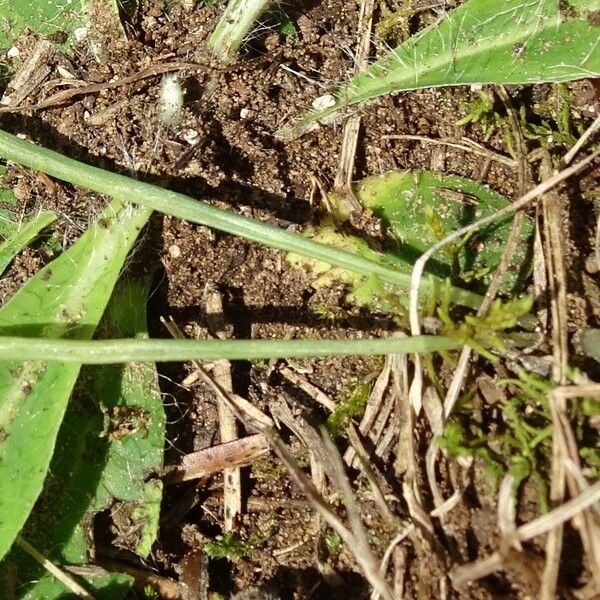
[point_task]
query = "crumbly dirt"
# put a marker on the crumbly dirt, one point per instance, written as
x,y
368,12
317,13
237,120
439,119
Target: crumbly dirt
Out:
x,y
223,151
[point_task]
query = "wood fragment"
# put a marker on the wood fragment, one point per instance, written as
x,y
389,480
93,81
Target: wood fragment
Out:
x,y
307,387
232,478
204,463
29,76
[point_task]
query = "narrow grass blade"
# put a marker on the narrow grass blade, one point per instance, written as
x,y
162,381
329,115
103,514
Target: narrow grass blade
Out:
x,y
66,298
108,352
20,236
233,26
482,41
183,207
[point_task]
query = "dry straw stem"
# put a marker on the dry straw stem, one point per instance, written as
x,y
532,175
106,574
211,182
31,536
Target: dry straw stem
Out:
x,y
537,191
214,459
465,144
539,526
565,451
63,577
232,479
356,540
343,178
585,136
557,290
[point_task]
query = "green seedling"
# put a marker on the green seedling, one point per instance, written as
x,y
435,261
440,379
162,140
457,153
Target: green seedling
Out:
x,y
479,42
228,545
332,542
482,333
351,406
520,447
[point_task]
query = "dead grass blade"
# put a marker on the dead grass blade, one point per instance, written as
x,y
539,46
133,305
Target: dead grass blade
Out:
x,y
54,570
204,463
539,526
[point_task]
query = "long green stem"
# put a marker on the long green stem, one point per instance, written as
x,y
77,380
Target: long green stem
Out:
x,y
233,27
183,207
104,352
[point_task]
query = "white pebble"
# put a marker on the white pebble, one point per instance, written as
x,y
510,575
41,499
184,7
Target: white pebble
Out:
x,y
323,102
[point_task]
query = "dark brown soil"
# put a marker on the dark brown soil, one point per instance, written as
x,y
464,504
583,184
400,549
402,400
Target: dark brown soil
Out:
x,y
223,151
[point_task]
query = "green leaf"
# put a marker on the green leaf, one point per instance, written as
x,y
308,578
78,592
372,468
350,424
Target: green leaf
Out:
x,y
47,17
418,209
482,41
65,299
17,237
108,451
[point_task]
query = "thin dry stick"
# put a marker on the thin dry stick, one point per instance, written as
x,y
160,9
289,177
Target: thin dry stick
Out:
x,y
63,577
538,190
232,492
362,549
306,386
587,525
232,477
257,420
370,473
511,244
343,177
557,284
462,368
400,537
93,88
595,126
539,526
466,145
373,407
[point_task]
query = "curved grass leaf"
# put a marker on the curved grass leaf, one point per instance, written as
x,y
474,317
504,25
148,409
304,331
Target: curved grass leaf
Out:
x,y
183,207
65,299
482,41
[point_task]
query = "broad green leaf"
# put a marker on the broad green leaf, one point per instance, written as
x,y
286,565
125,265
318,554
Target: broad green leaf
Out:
x,y
482,41
47,17
65,299
20,235
419,209
108,452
